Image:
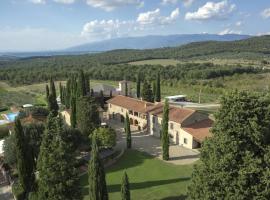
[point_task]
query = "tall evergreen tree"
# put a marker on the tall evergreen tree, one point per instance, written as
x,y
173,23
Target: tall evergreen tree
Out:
x,y
57,174
47,93
52,102
61,92
101,99
87,84
96,173
235,162
157,89
128,131
87,115
126,88
68,94
154,89
81,90
139,85
73,117
24,165
92,92
147,93
164,132
125,192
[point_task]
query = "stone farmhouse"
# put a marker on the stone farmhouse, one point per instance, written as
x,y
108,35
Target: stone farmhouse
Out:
x,y
187,127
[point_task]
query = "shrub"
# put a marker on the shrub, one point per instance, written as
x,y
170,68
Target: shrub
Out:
x,y
18,191
4,131
39,111
106,137
2,109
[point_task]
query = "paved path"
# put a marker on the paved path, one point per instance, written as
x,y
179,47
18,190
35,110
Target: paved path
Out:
x,y
144,142
5,193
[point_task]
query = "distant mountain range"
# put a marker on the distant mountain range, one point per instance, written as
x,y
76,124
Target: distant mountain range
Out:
x,y
153,41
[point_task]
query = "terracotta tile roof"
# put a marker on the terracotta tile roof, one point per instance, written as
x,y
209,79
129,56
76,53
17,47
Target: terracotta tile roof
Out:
x,y
131,103
200,130
176,114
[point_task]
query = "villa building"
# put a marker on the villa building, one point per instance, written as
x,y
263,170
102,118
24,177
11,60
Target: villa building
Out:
x,y
187,127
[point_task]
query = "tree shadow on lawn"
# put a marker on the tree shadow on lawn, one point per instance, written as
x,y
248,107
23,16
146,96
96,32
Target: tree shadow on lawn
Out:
x,y
142,185
146,184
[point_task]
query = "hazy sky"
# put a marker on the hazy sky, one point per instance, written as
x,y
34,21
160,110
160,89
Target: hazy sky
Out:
x,y
30,25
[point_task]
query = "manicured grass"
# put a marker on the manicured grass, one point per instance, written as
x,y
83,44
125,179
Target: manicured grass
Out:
x,y
150,178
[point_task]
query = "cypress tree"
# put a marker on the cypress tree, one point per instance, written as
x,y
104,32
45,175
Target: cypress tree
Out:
x,y
147,93
101,99
154,89
126,88
91,92
68,94
21,157
96,173
157,89
61,93
164,133
47,93
110,93
87,115
57,176
52,102
138,85
73,118
81,84
128,132
125,193
87,84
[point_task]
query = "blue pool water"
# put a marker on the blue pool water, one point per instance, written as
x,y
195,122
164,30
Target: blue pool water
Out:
x,y
11,116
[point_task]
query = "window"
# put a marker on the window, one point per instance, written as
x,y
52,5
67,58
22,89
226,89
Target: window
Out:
x,y
110,105
171,125
185,141
122,110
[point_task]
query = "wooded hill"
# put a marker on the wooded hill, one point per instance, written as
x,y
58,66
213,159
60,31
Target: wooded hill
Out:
x,y
111,65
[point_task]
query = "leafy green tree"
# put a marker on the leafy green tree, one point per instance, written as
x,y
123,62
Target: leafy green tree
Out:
x,y
125,193
57,174
96,173
24,164
164,133
235,160
81,84
147,93
128,131
157,89
106,137
87,115
138,85
9,148
73,115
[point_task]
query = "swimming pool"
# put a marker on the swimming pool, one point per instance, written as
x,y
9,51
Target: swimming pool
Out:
x,y
11,116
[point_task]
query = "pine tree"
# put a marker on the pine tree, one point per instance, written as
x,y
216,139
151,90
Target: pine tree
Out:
x,y
52,88
92,92
128,132
234,162
164,133
24,165
147,93
73,118
125,193
138,85
47,93
81,84
68,94
157,89
87,115
126,88
87,84
61,92
154,89
96,173
57,174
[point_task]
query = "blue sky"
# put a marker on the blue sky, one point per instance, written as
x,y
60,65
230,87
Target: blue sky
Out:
x,y
32,25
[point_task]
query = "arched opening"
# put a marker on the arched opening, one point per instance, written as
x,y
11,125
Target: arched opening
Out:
x,y
131,121
136,122
122,118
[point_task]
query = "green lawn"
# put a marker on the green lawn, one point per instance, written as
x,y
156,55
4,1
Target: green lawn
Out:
x,y
150,178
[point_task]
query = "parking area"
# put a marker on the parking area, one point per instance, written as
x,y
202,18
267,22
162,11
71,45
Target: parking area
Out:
x,y
144,142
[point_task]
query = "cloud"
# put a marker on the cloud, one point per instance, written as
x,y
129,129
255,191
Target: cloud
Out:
x,y
110,5
239,23
185,2
38,1
155,18
65,1
211,10
261,34
229,31
266,13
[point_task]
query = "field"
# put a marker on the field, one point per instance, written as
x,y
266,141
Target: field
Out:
x,y
150,178
164,62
